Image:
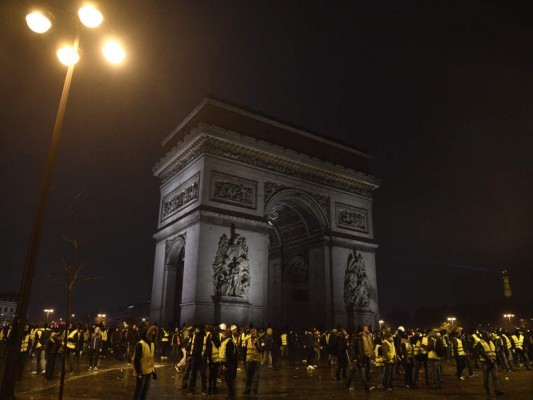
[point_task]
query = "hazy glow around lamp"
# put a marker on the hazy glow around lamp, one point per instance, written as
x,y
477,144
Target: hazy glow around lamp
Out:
x,y
38,22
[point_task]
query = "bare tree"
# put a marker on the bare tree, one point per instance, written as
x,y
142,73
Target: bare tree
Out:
x,y
73,274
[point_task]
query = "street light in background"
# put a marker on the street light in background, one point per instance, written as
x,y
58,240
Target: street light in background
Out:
x,y
40,22
452,320
509,316
380,324
48,311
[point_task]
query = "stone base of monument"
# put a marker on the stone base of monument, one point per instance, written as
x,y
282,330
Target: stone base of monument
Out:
x,y
359,316
234,310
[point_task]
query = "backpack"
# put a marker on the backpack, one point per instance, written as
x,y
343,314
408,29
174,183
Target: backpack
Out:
x,y
439,348
43,338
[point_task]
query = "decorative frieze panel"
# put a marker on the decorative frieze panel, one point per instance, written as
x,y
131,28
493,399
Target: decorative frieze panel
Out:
x,y
351,218
180,197
233,190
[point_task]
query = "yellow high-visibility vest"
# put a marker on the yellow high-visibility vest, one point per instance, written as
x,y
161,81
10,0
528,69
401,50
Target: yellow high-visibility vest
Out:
x,y
70,344
391,353
147,358
489,348
25,343
284,339
518,341
378,358
507,341
409,348
460,350
252,354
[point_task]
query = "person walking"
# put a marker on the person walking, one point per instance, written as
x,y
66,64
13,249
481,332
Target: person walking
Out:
x,y
143,363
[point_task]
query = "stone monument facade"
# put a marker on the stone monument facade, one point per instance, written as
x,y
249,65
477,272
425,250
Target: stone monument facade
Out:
x,y
262,223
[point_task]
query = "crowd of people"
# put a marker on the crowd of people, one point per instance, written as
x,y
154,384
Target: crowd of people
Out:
x,y
215,352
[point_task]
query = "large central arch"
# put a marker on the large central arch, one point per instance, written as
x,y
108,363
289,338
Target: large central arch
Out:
x,y
261,222
298,289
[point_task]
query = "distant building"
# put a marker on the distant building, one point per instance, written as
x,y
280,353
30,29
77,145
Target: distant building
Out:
x,y
130,313
8,306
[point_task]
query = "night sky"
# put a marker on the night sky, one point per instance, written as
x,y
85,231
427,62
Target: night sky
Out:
x,y
440,93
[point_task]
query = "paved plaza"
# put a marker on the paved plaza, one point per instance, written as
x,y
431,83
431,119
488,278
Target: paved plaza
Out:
x,y
114,380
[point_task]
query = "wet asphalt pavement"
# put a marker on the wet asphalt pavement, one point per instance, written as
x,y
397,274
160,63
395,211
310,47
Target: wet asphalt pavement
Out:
x,y
114,380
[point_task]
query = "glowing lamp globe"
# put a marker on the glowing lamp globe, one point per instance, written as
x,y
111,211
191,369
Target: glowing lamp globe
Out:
x,y
67,56
38,22
113,52
90,16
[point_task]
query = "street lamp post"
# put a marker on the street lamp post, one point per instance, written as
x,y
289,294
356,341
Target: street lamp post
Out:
x,y
509,316
380,324
40,23
48,311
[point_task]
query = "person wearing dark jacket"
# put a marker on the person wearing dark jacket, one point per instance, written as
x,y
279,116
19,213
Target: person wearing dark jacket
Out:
x,y
341,347
198,360
143,363
357,355
94,348
51,350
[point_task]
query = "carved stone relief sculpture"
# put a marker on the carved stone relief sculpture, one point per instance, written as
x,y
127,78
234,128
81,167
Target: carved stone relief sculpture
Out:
x,y
352,218
184,194
233,190
231,269
356,293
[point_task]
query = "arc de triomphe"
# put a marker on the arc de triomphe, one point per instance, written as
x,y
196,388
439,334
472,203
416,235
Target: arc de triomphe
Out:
x,y
262,223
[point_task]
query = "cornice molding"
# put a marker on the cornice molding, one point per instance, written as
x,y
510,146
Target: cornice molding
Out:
x,y
236,152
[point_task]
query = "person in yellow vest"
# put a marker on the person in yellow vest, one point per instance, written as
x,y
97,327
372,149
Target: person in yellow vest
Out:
x,y
165,341
508,345
421,356
389,359
38,349
143,363
378,360
198,359
501,348
518,347
24,350
435,355
458,352
105,340
72,342
487,353
228,358
407,356
213,359
254,350
284,344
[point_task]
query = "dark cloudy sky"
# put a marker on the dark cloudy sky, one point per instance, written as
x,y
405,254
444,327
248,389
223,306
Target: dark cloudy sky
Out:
x,y
438,92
